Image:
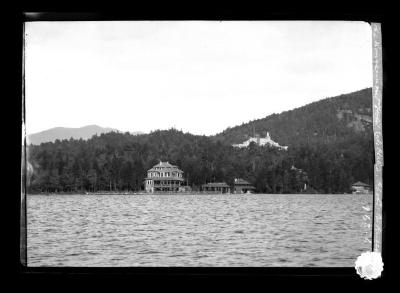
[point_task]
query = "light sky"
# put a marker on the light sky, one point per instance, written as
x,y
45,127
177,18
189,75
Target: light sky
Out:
x,y
198,76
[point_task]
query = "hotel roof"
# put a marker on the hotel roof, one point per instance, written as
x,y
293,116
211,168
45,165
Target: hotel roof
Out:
x,y
165,165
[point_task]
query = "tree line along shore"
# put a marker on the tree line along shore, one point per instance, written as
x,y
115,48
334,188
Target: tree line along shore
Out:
x,y
330,146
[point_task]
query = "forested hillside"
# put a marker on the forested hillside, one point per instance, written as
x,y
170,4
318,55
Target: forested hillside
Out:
x,y
325,121
330,141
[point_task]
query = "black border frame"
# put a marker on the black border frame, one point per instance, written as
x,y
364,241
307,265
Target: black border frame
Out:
x,y
373,14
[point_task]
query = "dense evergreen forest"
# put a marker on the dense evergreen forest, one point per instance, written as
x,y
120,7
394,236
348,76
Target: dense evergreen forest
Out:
x,y
325,121
330,147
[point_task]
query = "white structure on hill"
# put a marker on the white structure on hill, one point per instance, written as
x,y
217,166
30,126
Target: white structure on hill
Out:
x,y
260,141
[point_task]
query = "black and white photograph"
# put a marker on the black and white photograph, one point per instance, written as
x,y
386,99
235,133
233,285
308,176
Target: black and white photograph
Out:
x,y
201,144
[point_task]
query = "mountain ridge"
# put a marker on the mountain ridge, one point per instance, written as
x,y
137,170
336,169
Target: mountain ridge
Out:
x,y
330,146
339,116
60,132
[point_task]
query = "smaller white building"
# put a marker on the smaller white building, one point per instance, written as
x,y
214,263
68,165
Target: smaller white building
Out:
x,y
361,188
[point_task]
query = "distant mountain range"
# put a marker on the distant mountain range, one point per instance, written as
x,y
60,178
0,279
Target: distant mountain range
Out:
x,y
85,132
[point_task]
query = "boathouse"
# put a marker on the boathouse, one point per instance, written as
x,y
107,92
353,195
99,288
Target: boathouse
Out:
x,y
163,177
242,186
360,188
217,187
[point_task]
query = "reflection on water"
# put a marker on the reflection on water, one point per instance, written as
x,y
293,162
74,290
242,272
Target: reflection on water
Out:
x,y
197,230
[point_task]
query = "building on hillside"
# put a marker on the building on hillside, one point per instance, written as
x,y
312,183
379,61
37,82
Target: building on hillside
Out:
x,y
217,187
361,188
163,177
242,186
260,141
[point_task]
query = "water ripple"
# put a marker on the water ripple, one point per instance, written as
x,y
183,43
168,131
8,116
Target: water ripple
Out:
x,y
196,230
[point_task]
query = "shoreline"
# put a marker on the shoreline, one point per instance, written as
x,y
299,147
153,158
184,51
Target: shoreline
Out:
x,y
180,193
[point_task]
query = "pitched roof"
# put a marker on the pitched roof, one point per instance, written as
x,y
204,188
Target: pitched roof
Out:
x,y
359,183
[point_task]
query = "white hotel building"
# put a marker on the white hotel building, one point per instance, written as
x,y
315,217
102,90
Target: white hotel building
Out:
x,y
163,177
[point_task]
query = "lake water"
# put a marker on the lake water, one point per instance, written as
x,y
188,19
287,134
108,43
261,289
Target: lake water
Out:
x,y
259,230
